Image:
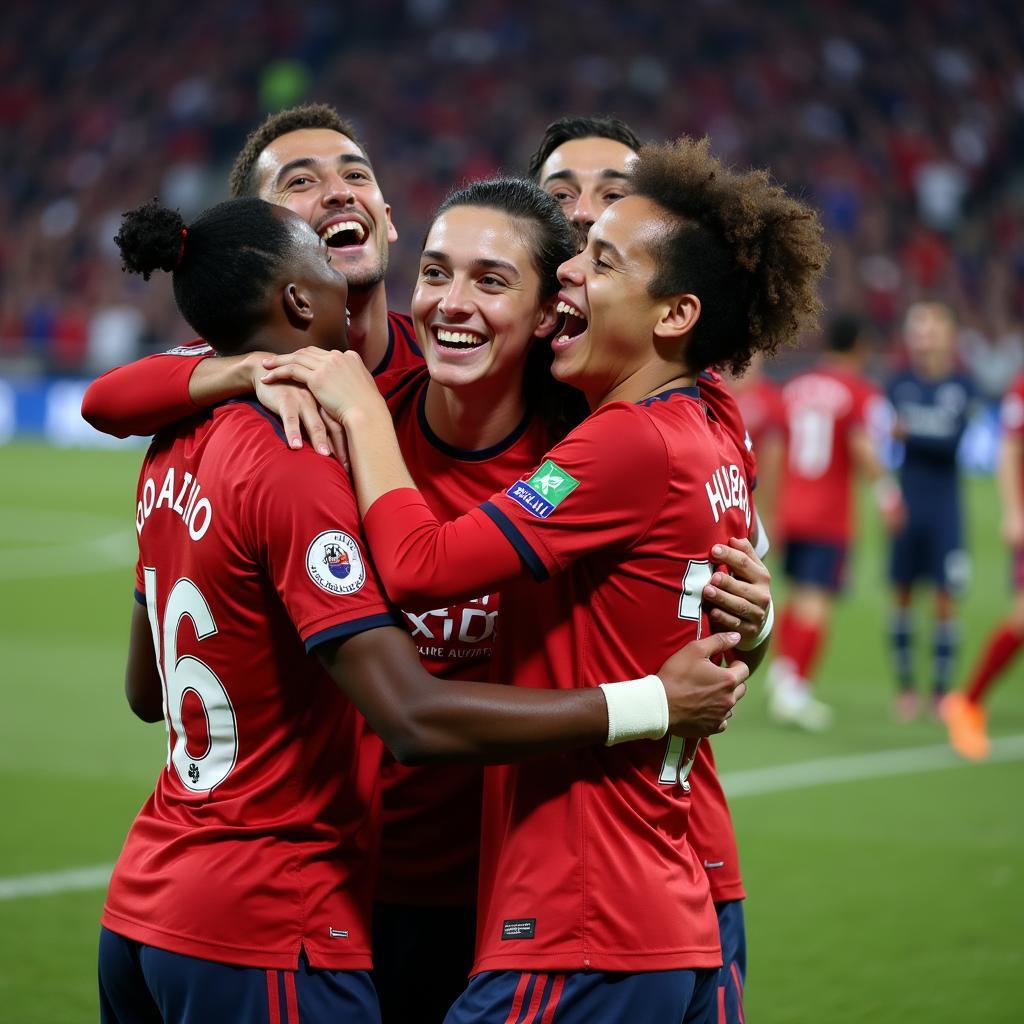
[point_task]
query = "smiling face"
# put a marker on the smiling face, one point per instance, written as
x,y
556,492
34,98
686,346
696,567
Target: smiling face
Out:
x,y
586,176
325,178
477,305
611,325
320,290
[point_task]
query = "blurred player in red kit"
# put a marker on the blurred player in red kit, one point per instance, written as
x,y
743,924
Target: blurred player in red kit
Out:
x,y
833,414
963,710
764,416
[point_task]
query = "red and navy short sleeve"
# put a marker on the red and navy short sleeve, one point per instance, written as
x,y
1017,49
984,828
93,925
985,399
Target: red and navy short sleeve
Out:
x,y
601,487
304,523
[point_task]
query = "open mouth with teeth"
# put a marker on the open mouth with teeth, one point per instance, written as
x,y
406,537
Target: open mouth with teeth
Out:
x,y
574,323
449,338
346,232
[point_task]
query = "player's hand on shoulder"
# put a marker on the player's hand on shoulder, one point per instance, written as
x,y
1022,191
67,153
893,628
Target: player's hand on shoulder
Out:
x,y
298,411
338,380
739,598
702,693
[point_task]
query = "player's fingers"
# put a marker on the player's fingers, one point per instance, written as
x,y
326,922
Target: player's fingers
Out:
x,y
309,412
714,645
738,693
337,435
288,410
739,670
747,566
723,620
291,372
735,605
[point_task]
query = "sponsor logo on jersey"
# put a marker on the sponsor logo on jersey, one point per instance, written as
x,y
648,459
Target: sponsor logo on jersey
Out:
x,y
335,564
544,491
518,928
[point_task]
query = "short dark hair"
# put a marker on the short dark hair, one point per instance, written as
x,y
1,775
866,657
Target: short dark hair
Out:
x,y
567,128
222,264
551,241
845,330
242,179
749,252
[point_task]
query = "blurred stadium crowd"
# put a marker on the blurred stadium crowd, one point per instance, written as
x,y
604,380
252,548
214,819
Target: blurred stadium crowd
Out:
x,y
902,122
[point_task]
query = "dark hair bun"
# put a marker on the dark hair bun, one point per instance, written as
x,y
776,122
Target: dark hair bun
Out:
x,y
151,238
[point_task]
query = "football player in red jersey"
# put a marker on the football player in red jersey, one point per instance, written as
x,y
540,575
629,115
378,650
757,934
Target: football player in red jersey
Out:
x,y
764,415
829,413
963,710
256,849
310,160
584,163
647,489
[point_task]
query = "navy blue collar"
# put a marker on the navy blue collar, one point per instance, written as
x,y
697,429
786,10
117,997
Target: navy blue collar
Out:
x,y
663,396
465,454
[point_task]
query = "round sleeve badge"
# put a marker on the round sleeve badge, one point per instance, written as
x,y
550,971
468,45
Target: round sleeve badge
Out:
x,y
334,563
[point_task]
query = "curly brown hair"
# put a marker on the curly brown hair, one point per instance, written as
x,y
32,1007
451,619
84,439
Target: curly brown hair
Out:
x,y
749,252
242,179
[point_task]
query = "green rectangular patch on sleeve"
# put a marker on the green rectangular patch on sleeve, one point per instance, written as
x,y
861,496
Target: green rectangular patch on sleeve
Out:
x,y
549,486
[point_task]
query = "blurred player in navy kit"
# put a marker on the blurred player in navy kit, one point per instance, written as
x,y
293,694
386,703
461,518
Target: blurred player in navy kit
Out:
x,y
932,402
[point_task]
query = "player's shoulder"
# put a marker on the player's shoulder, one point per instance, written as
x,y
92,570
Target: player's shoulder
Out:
x,y
399,385
195,347
256,442
404,332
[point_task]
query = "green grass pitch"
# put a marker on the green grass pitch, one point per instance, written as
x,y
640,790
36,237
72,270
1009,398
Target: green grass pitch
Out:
x,y
896,898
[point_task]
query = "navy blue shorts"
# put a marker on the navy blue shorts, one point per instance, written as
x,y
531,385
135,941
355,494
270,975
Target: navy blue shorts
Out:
x,y
929,548
733,973
588,997
819,563
422,957
141,984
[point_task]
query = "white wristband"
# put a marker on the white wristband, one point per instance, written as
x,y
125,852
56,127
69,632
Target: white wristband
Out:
x,y
637,710
769,621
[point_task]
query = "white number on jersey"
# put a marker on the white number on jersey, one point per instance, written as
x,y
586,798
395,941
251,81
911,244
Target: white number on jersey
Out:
x,y
691,602
695,579
811,435
189,675
679,758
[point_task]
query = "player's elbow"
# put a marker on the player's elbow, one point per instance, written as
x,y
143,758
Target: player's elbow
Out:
x,y
145,709
414,735
145,701
93,413
411,742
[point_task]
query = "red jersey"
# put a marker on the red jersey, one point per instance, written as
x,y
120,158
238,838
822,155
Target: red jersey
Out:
x,y
584,860
260,837
823,407
762,409
722,405
1011,410
151,393
430,840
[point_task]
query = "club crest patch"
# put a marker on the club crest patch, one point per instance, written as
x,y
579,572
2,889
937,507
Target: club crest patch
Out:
x,y
544,491
334,563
